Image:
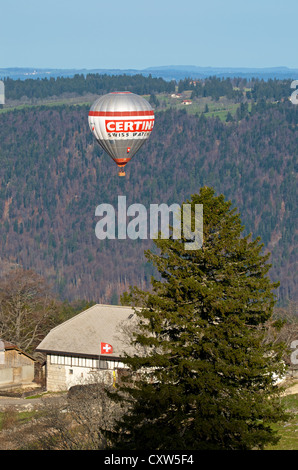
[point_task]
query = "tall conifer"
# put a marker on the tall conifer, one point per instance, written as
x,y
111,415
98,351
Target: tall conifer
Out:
x,y
207,379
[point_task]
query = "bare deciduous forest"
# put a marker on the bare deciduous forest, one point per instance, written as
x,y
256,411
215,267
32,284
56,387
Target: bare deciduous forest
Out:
x,y
53,176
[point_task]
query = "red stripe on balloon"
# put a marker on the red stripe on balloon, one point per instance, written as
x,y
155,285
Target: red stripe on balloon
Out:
x,y
121,113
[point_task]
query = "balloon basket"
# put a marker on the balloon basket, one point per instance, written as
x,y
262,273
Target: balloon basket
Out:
x,y
121,173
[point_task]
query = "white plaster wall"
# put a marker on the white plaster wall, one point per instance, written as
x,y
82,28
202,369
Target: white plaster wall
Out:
x,y
62,377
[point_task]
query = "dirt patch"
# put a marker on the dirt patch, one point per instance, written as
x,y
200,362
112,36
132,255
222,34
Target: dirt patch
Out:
x,y
291,387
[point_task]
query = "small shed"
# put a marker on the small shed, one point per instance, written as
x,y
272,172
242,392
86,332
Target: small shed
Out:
x,y
16,366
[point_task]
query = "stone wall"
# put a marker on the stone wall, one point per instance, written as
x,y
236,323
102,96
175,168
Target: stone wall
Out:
x,y
55,377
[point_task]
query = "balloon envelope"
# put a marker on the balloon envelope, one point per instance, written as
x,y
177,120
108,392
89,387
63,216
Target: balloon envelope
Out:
x,y
121,122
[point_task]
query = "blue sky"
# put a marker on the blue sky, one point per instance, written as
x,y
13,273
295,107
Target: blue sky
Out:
x,y
137,34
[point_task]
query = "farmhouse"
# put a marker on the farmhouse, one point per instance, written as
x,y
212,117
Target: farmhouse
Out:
x,y
16,366
94,341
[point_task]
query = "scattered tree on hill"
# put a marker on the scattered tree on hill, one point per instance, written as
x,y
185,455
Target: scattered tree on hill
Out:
x,y
29,308
26,307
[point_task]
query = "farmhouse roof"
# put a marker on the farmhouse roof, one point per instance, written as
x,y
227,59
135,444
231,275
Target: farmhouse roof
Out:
x,y
82,334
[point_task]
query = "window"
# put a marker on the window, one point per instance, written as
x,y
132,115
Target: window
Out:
x,y
95,363
89,362
74,361
53,359
82,362
67,360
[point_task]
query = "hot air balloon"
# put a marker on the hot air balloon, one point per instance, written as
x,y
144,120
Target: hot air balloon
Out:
x,y
121,122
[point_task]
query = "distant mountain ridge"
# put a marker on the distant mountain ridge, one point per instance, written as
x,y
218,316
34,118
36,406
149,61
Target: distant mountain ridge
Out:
x,y
167,72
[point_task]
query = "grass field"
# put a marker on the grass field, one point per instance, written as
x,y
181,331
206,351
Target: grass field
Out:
x,y
13,418
288,432
218,108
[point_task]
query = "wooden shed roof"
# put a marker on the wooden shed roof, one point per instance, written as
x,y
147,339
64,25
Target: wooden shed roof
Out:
x,y
7,345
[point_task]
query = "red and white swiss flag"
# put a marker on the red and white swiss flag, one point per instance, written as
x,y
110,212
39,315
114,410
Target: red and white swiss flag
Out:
x,y
106,348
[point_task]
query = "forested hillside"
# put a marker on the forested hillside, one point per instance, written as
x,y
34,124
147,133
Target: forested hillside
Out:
x,y
79,84
53,175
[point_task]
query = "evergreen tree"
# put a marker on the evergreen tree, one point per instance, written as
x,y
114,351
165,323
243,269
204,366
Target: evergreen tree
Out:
x,y
206,379
229,117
